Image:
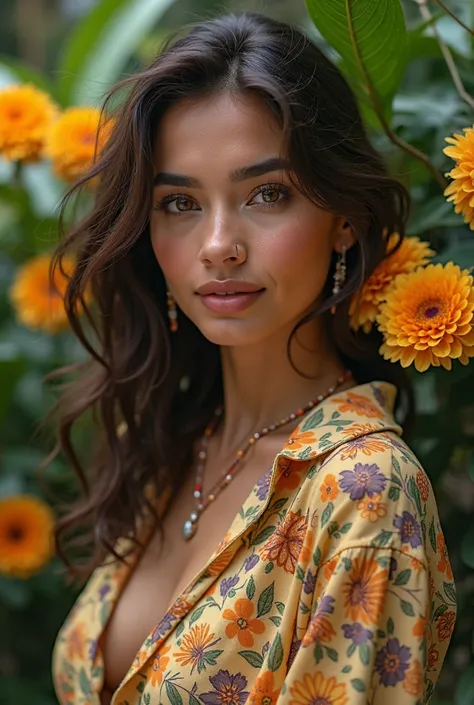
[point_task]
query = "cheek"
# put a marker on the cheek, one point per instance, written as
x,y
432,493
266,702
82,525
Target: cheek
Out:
x,y
171,256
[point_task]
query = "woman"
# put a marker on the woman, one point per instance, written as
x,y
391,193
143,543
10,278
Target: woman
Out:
x,y
271,538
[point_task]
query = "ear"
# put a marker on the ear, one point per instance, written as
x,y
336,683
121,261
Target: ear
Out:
x,y
343,234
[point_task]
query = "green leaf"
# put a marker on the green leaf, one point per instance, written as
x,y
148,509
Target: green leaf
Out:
x,y
253,658
364,653
197,614
102,44
10,372
250,589
269,567
265,601
280,607
407,608
275,655
193,700
432,535
276,620
372,29
317,556
332,653
358,684
173,694
313,420
299,573
84,682
450,591
394,493
263,535
403,577
327,514
210,657
390,626
439,611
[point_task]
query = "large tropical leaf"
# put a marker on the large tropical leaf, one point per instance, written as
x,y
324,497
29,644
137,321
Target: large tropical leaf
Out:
x,y
369,35
102,44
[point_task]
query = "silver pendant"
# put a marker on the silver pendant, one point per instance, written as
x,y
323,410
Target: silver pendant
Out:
x,y
189,529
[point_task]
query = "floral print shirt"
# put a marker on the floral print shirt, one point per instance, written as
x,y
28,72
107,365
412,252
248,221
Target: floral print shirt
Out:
x,y
332,586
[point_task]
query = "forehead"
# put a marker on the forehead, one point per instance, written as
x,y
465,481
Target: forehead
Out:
x,y
217,132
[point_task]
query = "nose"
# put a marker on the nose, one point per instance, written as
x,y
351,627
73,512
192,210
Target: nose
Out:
x,y
222,246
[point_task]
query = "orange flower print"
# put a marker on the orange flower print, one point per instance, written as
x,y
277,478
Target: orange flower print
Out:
x,y
364,591
444,565
329,488
330,567
359,429
220,563
433,657
158,667
414,680
372,508
263,692
423,484
357,404
445,625
290,478
76,642
180,608
419,628
299,440
362,444
315,689
285,544
194,645
320,630
241,624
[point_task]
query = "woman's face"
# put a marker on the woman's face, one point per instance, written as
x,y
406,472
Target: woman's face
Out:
x,y
243,252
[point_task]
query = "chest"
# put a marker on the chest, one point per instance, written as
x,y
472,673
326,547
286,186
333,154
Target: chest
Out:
x,y
167,568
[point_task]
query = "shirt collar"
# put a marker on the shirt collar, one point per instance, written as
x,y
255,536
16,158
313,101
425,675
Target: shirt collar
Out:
x,y
342,418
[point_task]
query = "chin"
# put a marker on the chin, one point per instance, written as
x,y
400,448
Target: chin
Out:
x,y
233,332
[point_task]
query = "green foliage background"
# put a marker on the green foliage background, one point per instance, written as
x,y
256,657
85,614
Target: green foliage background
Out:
x,y
417,98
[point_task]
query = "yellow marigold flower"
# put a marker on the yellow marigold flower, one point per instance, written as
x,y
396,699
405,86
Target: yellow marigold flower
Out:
x,y
26,114
26,535
460,191
36,303
74,139
428,317
365,305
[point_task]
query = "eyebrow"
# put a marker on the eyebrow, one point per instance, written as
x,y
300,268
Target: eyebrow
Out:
x,y
166,178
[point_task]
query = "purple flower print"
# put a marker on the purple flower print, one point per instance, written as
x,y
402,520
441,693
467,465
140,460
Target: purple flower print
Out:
x,y
364,479
263,485
357,633
227,584
94,645
163,627
104,590
380,396
228,689
265,648
325,605
250,562
409,528
391,662
294,648
309,583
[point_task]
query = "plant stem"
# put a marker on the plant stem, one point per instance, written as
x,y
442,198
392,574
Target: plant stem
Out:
x,y
454,16
393,137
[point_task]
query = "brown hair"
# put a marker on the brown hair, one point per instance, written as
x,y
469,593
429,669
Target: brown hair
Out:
x,y
135,365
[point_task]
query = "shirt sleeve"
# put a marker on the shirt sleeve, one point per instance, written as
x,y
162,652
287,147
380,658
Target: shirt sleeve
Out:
x,y
366,640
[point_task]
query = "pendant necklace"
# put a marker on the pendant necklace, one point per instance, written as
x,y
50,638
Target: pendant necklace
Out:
x,y
190,526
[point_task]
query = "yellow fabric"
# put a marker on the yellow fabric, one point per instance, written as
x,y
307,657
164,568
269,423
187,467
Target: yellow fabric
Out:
x,y
332,585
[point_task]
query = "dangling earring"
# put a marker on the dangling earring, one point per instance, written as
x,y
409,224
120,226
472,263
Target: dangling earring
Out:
x,y
172,312
339,276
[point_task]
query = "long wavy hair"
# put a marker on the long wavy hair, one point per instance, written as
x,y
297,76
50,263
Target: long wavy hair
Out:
x,y
135,368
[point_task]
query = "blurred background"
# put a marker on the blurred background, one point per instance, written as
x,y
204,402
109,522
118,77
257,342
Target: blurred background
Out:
x,y
71,51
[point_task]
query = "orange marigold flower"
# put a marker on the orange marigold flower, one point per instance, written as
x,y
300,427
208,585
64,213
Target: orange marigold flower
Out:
x,y
414,680
320,630
194,645
241,623
428,318
26,535
36,303
26,114
263,692
158,666
445,625
329,488
365,305
372,508
315,688
365,590
419,628
460,191
300,439
76,642
433,657
285,544
75,139
330,567
357,404
444,566
423,484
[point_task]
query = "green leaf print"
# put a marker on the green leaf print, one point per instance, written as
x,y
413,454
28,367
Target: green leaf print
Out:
x,y
382,539
84,682
415,493
336,415
358,684
193,700
250,589
280,607
332,653
313,420
394,494
327,514
312,471
300,573
147,699
276,620
173,694
449,591
196,614
265,601
253,658
396,466
351,650
279,504
407,608
403,578
275,655
439,611
346,669
318,653
317,557
210,657
269,567
263,535
180,629
390,626
364,653
432,535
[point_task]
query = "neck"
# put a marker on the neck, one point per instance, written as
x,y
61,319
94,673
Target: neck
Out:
x,y
261,386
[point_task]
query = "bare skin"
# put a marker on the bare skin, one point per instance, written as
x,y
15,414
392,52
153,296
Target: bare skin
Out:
x,y
284,246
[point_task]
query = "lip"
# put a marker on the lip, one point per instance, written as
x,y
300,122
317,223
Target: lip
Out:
x,y
235,303
217,286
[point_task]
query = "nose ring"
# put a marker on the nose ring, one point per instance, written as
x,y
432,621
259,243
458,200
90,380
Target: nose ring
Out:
x,y
237,251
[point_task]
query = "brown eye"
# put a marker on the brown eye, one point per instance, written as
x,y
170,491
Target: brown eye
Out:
x,y
184,204
271,195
